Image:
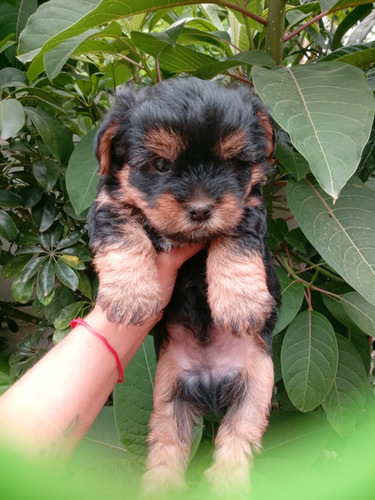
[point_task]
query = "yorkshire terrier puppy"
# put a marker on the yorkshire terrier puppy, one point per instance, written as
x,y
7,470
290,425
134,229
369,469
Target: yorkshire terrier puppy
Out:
x,y
183,162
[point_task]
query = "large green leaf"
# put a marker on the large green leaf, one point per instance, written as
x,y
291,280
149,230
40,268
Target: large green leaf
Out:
x,y
82,174
133,402
362,55
12,117
327,109
353,311
56,136
46,278
8,229
46,172
343,233
291,300
12,77
309,360
344,404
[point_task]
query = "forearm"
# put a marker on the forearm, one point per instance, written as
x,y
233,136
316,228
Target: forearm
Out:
x,y
41,414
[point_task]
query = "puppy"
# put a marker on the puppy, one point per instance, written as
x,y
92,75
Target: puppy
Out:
x,y
183,162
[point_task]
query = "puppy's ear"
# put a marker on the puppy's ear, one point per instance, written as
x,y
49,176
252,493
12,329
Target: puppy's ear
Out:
x,y
110,141
103,145
269,131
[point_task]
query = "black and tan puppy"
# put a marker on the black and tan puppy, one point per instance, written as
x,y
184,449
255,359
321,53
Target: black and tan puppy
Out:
x,y
184,162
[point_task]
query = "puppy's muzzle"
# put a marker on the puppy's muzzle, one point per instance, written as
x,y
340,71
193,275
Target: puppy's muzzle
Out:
x,y
199,211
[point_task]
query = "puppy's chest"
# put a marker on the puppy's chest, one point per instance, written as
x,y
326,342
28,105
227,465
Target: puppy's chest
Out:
x,y
160,242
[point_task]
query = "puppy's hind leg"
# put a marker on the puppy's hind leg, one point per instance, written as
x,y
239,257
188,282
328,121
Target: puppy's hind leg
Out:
x,y
242,427
170,432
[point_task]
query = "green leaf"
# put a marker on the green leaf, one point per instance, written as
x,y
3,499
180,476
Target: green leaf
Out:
x,y
46,172
15,265
309,360
353,311
362,55
68,313
12,117
82,252
8,199
249,58
69,240
291,300
31,195
27,238
8,229
52,24
133,402
345,402
327,109
4,382
179,58
45,300
56,136
12,77
348,22
343,233
32,268
84,285
81,175
46,278
73,262
43,214
63,297
66,275
293,162
22,291
49,238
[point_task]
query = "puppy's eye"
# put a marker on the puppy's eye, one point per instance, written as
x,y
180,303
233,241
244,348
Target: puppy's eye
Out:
x,y
161,165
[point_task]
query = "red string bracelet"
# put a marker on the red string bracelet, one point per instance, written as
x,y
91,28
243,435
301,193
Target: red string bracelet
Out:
x,y
80,321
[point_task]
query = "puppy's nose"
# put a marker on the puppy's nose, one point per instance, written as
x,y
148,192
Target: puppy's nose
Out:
x,y
199,211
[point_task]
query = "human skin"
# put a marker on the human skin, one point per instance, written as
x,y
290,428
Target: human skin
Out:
x,y
47,412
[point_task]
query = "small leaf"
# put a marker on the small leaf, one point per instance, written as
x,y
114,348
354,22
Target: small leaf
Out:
x,y
81,175
8,199
49,238
345,402
84,285
69,313
4,382
73,262
63,297
43,214
8,229
309,360
12,77
83,253
32,268
22,291
66,275
15,265
133,402
291,300
27,238
46,172
353,311
46,278
69,240
56,137
12,117
293,162
31,195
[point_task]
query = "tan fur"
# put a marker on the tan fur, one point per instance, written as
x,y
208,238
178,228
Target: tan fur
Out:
x,y
237,289
129,193
168,448
267,126
165,142
232,144
129,285
104,150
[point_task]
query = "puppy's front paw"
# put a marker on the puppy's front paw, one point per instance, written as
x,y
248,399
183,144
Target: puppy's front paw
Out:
x,y
129,305
237,289
129,289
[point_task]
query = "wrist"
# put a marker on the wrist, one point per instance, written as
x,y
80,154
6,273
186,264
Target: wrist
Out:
x,y
125,340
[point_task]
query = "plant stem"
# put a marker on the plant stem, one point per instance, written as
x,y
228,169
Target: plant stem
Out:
x,y
320,269
275,29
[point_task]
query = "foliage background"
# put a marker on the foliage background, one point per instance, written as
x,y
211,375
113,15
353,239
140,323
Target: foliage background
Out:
x,y
312,63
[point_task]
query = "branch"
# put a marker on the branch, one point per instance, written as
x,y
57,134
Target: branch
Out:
x,y
306,25
242,10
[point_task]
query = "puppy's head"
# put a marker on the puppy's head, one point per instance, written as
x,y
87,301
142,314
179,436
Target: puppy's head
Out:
x,y
188,154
